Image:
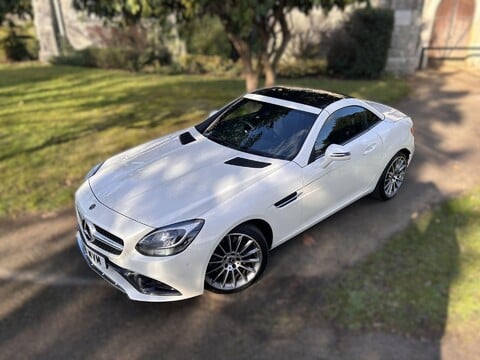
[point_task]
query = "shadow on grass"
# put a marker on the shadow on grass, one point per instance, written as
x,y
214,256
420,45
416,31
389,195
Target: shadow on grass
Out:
x,y
143,107
405,286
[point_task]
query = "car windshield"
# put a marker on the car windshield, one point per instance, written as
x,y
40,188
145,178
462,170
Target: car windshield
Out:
x,y
261,128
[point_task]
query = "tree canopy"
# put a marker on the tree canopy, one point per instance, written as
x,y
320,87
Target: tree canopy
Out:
x,y
128,12
258,30
19,8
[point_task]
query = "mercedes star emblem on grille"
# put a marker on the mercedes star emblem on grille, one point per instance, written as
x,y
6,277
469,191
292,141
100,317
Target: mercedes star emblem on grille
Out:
x,y
87,232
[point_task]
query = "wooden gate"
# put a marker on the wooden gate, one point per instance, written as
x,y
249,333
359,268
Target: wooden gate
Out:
x,y
451,29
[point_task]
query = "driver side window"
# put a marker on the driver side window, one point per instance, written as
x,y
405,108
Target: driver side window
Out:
x,y
340,127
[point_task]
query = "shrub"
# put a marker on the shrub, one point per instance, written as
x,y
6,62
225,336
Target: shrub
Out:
x,y
204,64
117,58
214,41
20,47
360,49
302,68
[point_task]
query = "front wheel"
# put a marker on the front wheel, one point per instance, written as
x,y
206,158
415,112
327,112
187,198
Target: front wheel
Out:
x,y
392,177
238,260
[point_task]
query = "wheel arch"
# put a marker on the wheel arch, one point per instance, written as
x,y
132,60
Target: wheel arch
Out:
x,y
250,225
264,227
406,152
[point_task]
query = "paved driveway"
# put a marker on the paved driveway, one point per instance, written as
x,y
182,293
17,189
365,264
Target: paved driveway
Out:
x,y
52,306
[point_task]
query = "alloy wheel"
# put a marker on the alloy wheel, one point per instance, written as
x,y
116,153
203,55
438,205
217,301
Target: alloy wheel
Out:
x,y
235,262
395,176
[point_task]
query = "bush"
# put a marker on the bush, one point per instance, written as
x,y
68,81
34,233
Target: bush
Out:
x,y
19,47
360,49
117,58
204,64
302,68
212,42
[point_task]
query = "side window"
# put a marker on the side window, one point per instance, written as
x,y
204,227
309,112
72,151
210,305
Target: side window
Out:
x,y
372,119
341,126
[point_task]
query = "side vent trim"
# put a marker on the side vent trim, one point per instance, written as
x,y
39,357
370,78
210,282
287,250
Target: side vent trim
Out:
x,y
287,200
186,138
238,161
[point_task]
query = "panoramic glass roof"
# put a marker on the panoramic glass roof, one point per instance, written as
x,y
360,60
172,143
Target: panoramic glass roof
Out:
x,y
317,98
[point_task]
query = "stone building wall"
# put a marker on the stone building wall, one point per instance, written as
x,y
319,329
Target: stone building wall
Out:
x,y
57,19
78,26
45,29
405,47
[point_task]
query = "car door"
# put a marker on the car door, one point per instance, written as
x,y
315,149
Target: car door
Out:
x,y
331,185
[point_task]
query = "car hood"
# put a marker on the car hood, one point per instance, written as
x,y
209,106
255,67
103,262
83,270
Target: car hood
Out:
x,y
163,181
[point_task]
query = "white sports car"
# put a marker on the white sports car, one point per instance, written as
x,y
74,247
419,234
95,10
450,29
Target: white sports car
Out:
x,y
202,207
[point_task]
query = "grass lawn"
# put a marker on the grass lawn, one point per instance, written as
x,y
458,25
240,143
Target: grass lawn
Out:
x,y
423,282
56,122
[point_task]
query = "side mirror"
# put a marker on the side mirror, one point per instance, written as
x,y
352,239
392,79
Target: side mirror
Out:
x,y
213,112
335,153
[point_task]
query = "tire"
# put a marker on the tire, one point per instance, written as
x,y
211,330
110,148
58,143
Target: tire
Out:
x,y
238,260
392,178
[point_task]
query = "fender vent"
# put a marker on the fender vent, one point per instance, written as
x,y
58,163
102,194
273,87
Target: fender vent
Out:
x,y
186,138
287,200
238,161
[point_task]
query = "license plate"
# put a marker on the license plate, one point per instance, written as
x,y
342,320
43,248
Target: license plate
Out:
x,y
97,260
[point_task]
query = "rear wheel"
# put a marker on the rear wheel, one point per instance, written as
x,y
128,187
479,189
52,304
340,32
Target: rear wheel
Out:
x,y
392,177
238,260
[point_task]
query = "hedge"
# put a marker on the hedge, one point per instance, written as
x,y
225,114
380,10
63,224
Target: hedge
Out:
x,y
360,49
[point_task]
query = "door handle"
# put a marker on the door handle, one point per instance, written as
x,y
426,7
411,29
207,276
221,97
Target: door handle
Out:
x,y
369,149
340,155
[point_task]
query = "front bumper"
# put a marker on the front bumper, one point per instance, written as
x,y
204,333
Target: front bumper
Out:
x,y
136,286
140,277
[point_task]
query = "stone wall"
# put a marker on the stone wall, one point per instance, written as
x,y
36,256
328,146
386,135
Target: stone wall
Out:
x,y
45,29
405,47
78,26
57,19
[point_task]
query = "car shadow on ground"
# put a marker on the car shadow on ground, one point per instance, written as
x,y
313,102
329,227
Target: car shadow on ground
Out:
x,y
281,316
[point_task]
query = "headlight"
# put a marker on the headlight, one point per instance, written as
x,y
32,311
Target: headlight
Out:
x,y
93,171
171,239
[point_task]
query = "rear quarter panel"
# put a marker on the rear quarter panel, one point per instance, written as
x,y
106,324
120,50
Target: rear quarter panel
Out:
x,y
396,135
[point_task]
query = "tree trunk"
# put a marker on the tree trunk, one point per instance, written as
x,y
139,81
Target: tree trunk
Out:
x,y
269,71
251,81
245,53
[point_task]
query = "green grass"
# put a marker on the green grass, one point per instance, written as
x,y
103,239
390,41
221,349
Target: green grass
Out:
x,y
56,122
424,281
